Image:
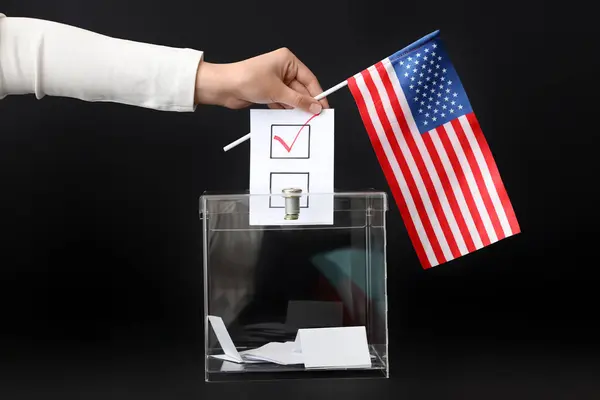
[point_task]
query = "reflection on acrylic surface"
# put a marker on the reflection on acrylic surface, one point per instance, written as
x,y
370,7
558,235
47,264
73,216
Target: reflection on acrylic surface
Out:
x,y
232,255
267,283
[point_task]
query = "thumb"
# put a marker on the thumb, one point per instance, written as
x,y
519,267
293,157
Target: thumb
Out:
x,y
292,98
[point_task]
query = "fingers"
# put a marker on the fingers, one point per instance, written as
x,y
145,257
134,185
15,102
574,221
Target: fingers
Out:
x,y
298,87
324,102
297,99
309,80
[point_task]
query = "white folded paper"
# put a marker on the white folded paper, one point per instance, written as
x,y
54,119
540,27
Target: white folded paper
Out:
x,y
340,347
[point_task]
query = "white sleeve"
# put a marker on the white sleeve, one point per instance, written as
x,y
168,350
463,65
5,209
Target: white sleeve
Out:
x,y
48,58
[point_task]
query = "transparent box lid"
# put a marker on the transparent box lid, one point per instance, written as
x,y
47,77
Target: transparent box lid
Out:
x,y
267,281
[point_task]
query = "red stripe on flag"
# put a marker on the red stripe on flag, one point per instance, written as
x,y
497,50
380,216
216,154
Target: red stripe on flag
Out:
x,y
410,180
479,180
464,185
439,168
416,154
492,167
389,174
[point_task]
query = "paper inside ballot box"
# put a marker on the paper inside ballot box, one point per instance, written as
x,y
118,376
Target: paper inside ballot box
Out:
x,y
337,347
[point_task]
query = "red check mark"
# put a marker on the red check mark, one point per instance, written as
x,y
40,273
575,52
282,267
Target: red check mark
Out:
x,y
284,144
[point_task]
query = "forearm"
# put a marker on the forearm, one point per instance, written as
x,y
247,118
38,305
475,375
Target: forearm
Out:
x,y
47,58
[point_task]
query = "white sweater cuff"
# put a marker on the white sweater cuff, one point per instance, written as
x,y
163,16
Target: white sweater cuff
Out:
x,y
48,58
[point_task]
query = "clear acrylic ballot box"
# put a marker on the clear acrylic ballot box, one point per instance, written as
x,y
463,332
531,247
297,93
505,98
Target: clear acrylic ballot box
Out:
x,y
268,283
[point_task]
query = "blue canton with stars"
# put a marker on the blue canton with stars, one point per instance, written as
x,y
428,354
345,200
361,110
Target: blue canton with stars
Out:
x,y
431,85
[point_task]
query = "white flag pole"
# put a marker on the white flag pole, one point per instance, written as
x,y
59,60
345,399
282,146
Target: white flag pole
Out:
x,y
318,97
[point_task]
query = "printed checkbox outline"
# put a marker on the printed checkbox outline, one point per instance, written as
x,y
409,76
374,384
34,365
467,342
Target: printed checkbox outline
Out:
x,y
299,126
288,173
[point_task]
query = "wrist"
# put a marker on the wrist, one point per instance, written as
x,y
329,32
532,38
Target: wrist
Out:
x,y
212,84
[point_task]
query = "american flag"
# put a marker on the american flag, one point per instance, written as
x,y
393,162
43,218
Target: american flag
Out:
x,y
433,153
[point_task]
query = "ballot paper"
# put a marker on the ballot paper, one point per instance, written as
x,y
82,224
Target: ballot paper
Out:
x,y
334,347
274,352
291,149
315,348
231,353
277,353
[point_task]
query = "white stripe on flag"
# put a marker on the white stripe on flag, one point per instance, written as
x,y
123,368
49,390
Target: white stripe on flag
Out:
x,y
412,209
425,156
429,203
464,163
458,193
487,176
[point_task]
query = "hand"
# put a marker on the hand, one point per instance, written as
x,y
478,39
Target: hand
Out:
x,y
277,78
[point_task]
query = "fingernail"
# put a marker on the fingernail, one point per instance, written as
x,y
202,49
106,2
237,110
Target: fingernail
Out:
x,y
315,108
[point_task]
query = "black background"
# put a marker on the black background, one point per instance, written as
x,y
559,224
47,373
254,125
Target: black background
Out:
x,y
100,257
